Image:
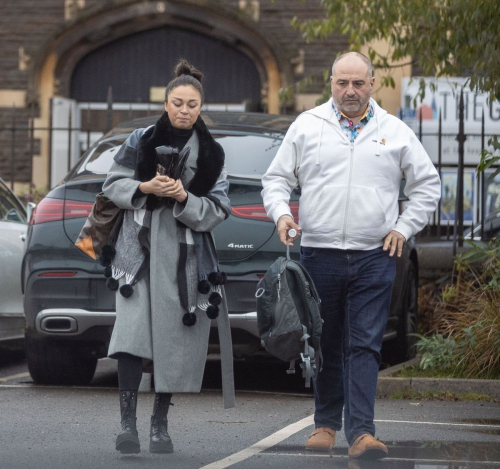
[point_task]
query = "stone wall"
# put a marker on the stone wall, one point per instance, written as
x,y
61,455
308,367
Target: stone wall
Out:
x,y
26,26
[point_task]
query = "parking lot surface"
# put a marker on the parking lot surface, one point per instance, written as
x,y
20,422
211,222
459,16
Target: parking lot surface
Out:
x,y
69,427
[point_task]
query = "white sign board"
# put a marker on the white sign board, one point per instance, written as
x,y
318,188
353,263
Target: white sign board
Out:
x,y
444,98
62,159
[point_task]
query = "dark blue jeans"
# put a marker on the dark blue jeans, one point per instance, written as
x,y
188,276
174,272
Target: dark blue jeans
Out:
x,y
355,288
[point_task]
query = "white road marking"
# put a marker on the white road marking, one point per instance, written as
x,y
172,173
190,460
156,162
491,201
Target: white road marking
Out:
x,y
448,462
10,378
296,427
269,393
476,425
262,445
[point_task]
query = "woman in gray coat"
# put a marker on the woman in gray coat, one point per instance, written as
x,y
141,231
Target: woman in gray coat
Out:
x,y
170,178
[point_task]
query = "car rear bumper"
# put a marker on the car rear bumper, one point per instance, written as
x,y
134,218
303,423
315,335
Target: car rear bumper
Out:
x,y
71,322
66,322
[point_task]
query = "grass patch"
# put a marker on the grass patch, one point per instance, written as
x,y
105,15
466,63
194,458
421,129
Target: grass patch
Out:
x,y
411,394
417,372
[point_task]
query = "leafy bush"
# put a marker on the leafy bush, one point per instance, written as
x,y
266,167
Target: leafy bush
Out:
x,y
35,195
436,351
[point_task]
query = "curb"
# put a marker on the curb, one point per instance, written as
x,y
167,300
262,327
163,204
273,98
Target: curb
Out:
x,y
388,385
394,369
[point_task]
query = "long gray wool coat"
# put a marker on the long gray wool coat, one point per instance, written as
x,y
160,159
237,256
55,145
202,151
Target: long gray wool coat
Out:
x,y
149,323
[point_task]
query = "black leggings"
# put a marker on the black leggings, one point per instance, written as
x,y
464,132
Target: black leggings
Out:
x,y
129,371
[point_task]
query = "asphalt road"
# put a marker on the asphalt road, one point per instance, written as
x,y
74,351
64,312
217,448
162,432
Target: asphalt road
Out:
x,y
62,427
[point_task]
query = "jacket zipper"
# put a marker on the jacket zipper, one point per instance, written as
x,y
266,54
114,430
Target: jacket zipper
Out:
x,y
348,197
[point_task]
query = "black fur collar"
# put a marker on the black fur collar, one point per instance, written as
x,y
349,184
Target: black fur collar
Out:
x,y
210,159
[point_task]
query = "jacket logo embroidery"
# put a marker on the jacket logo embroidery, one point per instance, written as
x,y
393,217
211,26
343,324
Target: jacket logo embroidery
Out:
x,y
382,141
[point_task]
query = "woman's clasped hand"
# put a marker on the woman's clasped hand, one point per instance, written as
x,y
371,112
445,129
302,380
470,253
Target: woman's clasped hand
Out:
x,y
163,186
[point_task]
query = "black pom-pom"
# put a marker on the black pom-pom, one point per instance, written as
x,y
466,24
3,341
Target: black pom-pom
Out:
x,y
107,271
211,277
215,299
104,261
204,287
212,312
215,278
126,290
224,278
189,319
112,284
108,252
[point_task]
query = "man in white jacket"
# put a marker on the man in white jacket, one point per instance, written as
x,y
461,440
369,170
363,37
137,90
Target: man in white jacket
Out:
x,y
348,157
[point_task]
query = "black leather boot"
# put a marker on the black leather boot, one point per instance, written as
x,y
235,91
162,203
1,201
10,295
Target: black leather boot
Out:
x,y
160,441
127,441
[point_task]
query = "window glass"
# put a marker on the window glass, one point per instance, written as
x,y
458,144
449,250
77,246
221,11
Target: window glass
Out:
x,y
100,158
10,208
248,155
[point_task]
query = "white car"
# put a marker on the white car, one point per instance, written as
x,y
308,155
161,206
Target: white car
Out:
x,y
13,227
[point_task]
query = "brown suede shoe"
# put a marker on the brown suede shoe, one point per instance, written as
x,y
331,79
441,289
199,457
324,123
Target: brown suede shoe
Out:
x,y
322,439
367,447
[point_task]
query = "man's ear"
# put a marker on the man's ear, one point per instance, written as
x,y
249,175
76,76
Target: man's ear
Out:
x,y
165,106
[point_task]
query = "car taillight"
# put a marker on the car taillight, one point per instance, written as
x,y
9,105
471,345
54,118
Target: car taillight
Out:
x,y
253,212
58,209
73,209
47,210
257,211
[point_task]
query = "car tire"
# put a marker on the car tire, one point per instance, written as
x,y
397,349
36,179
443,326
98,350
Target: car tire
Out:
x,y
57,363
406,349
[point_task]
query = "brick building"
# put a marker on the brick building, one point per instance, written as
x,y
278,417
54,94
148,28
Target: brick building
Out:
x,y
68,53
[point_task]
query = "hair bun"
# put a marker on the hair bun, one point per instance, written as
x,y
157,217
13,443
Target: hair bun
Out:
x,y
183,67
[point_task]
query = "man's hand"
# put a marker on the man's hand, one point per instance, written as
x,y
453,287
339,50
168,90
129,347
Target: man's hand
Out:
x,y
395,241
286,223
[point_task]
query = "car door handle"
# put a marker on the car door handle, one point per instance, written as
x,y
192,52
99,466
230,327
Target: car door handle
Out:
x,y
22,237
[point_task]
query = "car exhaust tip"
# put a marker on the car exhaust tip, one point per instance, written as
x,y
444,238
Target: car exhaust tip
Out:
x,y
56,324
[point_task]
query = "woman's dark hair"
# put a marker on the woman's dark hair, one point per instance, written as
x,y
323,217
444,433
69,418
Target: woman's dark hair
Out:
x,y
185,74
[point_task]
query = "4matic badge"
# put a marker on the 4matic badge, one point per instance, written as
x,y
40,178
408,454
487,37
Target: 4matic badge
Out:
x,y
240,246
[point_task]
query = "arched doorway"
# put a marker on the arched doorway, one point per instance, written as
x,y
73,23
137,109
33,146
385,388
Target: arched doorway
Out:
x,y
132,65
56,82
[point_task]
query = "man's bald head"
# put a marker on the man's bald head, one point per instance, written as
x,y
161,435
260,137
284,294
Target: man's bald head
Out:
x,y
354,55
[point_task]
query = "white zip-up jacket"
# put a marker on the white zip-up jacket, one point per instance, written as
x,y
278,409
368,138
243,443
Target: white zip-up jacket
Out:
x,y
349,191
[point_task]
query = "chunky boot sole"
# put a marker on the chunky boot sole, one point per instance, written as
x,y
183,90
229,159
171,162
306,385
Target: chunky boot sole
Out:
x,y
161,447
128,444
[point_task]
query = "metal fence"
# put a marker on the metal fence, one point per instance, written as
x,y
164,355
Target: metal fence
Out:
x,y
70,134
437,227
24,140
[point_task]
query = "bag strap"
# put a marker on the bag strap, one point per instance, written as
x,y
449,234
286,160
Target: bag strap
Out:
x,y
308,364
307,278
304,278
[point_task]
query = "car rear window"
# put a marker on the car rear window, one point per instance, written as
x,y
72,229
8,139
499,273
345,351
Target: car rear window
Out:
x,y
247,155
100,157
